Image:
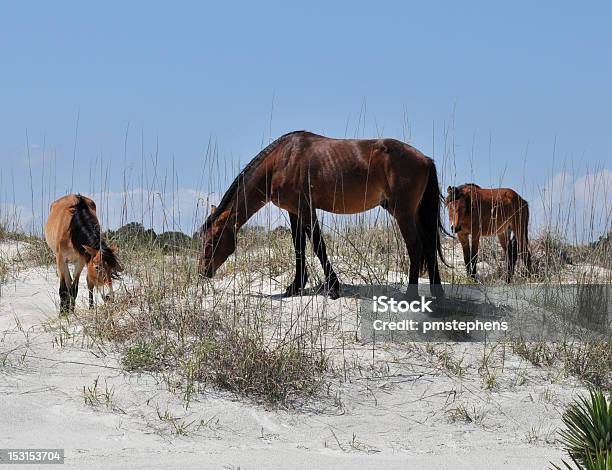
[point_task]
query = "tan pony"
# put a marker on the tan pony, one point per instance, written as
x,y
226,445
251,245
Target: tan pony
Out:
x,y
73,233
302,172
501,212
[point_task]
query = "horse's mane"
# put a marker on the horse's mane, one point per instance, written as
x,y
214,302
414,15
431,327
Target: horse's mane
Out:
x,y
456,192
468,186
246,171
85,230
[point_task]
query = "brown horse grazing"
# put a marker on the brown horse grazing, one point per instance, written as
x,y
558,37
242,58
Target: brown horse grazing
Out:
x,y
301,172
487,212
73,233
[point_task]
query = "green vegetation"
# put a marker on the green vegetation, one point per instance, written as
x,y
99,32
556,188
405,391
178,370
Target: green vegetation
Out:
x,y
144,356
135,236
587,437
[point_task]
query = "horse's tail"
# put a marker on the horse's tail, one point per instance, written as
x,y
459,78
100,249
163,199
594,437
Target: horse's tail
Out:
x,y
430,221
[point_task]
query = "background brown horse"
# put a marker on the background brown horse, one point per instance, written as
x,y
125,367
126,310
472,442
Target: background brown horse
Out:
x,y
73,233
487,212
301,172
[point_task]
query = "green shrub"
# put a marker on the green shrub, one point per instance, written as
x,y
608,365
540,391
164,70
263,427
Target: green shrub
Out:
x,y
587,437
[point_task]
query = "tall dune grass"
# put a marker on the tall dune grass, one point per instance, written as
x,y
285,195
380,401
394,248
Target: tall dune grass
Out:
x,y
235,332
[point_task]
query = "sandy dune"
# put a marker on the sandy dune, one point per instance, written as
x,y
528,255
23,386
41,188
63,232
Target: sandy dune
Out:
x,y
399,422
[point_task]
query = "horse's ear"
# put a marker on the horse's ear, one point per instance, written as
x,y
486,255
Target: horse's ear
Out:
x,y
380,146
213,209
90,250
452,193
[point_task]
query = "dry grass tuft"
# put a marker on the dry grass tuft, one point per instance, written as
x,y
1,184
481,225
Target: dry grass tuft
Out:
x,y
165,319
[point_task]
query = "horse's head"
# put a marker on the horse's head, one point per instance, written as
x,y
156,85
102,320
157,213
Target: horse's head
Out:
x,y
102,266
218,242
459,204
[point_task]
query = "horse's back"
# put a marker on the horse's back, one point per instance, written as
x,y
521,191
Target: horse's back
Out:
x,y
499,208
497,196
332,160
344,175
512,198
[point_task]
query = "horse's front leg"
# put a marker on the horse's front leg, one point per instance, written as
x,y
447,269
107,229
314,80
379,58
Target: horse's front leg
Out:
x,y
65,285
298,235
332,284
90,288
74,290
111,293
464,239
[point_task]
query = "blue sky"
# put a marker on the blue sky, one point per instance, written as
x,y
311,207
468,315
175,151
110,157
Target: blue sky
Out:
x,y
513,94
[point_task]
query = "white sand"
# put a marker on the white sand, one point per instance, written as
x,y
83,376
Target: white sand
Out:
x,y
400,422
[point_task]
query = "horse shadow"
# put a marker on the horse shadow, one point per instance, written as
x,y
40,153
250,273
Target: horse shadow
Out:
x,y
459,300
357,291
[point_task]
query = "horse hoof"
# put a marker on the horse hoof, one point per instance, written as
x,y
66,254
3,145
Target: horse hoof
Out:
x,y
412,292
437,292
292,291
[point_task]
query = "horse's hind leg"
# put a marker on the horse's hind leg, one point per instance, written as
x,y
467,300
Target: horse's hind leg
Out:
x,y
508,245
513,253
474,253
430,252
298,235
408,228
332,284
523,250
522,240
524,253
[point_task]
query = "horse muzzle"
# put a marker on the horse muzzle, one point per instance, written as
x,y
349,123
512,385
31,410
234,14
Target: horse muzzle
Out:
x,y
207,272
